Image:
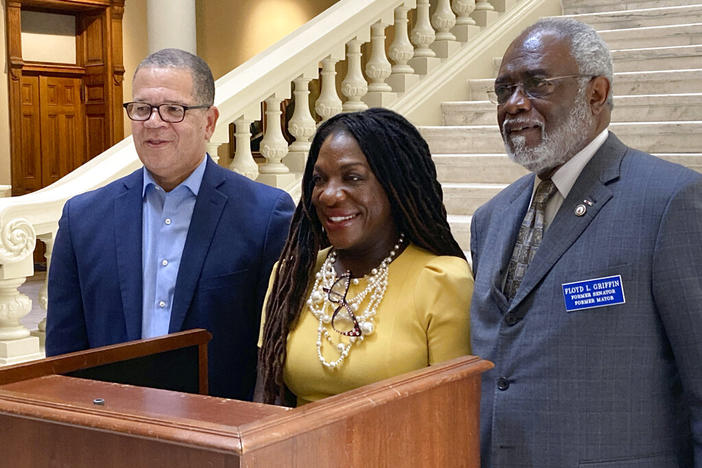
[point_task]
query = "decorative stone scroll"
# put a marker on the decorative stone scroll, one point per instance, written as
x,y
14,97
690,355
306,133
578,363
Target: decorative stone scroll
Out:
x,y
17,240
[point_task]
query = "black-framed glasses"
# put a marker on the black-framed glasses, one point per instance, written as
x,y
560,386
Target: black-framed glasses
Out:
x,y
533,87
343,320
171,113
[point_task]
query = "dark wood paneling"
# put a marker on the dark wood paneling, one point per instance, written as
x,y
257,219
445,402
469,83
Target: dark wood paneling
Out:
x,y
99,71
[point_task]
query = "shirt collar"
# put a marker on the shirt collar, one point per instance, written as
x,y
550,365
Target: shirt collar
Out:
x,y
565,176
193,181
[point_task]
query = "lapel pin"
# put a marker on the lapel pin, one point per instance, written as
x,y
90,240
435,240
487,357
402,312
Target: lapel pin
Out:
x,y
580,210
587,202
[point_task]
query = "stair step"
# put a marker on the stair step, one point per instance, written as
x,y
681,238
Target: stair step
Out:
x,y
625,83
477,168
499,169
653,36
460,228
657,58
664,137
640,18
576,7
633,108
464,199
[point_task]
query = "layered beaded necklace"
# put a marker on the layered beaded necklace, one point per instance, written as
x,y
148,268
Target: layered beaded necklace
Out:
x,y
323,306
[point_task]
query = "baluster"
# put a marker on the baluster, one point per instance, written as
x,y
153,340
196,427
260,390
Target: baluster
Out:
x,y
301,126
378,69
213,150
401,49
40,332
423,36
400,52
484,13
463,9
354,86
328,104
484,5
17,242
273,145
422,33
443,20
465,25
243,162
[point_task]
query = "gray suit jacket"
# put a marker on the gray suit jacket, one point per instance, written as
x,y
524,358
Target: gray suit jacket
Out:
x,y
613,386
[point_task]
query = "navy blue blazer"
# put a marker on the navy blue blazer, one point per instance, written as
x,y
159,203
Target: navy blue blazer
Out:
x,y
614,386
237,231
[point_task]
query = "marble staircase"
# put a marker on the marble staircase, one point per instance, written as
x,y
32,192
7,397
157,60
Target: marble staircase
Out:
x,y
657,52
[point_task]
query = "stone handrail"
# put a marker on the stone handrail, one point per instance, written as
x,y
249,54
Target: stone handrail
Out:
x,y
284,71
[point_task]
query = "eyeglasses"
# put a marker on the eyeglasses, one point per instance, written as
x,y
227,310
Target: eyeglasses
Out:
x,y
533,88
343,320
171,113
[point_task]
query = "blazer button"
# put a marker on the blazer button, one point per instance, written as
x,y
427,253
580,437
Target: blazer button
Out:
x,y
511,319
502,384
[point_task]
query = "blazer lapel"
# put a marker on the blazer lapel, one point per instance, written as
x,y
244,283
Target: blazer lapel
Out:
x,y
566,227
203,224
128,220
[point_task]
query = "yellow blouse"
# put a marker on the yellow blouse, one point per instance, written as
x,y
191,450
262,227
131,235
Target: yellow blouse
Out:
x,y
423,319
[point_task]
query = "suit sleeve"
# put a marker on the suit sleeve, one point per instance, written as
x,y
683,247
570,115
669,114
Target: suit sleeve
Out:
x,y
276,233
65,323
677,290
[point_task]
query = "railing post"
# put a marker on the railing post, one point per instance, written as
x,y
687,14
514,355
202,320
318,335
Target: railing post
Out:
x,y
243,162
301,126
354,86
443,21
40,332
328,104
17,241
484,13
378,69
213,149
274,148
466,26
400,52
422,37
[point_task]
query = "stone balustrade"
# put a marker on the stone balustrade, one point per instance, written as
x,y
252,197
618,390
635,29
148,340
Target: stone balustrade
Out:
x,y
351,31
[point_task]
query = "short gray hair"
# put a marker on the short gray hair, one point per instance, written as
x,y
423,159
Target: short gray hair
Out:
x,y
203,82
589,50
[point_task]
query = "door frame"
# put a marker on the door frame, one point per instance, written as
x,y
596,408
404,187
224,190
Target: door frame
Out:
x,y
98,50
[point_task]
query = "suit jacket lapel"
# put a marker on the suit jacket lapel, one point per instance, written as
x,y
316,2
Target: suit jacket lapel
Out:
x,y
128,238
509,219
203,224
566,226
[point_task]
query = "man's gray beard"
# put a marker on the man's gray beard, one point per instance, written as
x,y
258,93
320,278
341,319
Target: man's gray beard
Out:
x,y
557,146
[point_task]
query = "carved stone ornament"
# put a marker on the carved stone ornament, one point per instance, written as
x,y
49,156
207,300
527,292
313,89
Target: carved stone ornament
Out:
x,y
17,240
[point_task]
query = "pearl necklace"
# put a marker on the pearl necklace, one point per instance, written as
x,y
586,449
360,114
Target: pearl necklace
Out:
x,y
322,308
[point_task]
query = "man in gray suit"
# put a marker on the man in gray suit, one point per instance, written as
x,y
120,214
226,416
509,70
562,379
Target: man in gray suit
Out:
x,y
594,318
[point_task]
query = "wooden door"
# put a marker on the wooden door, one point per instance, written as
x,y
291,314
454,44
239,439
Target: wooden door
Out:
x,y
62,128
27,167
46,125
52,131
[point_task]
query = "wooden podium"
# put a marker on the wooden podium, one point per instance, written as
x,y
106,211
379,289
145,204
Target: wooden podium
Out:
x,y
426,418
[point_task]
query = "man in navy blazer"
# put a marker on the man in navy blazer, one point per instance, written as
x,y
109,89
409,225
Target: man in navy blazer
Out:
x,y
179,244
598,353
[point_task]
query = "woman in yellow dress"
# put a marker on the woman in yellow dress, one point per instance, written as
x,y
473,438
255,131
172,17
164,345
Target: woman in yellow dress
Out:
x,y
371,283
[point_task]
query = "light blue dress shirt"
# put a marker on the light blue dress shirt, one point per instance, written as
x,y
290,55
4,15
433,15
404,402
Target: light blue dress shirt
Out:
x,y
165,223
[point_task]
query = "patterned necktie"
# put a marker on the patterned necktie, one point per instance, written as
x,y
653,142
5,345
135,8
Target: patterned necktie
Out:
x,y
530,234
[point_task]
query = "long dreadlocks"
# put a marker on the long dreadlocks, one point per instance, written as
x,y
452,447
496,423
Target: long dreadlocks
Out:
x,y
400,159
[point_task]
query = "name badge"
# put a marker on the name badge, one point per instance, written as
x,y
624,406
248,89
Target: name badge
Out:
x,y
598,292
